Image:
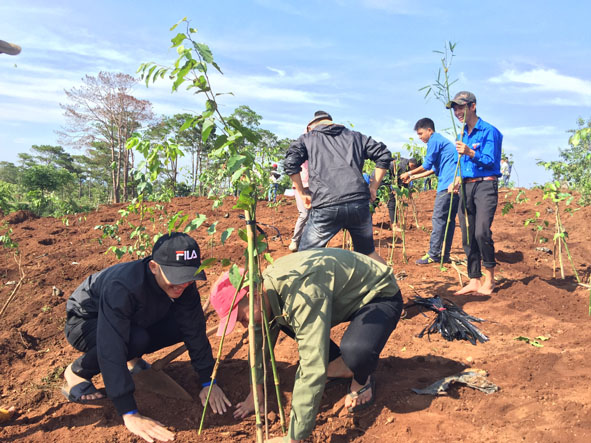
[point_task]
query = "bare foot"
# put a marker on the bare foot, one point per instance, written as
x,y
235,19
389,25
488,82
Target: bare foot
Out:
x,y
351,400
73,379
473,286
486,288
338,369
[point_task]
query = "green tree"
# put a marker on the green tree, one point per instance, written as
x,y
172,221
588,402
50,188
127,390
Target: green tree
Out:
x,y
103,110
574,168
46,178
188,139
7,191
9,172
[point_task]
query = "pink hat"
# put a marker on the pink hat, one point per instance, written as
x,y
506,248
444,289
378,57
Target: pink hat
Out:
x,y
222,293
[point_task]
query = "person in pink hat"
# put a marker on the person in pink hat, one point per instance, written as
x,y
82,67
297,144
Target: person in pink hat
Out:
x,y
305,294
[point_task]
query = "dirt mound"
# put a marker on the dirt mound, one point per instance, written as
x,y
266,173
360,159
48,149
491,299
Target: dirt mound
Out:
x,y
545,394
19,217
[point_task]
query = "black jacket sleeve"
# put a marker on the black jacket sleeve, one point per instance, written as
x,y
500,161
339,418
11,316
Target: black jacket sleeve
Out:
x,y
378,152
113,331
189,315
296,155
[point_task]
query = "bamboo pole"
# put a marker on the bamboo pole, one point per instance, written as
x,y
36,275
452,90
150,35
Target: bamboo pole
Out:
x,y
414,210
458,168
275,374
219,356
250,233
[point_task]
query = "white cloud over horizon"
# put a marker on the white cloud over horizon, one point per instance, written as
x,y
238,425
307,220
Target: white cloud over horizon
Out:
x,y
549,81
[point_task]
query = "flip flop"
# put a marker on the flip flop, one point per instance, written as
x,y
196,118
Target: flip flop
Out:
x,y
371,385
75,393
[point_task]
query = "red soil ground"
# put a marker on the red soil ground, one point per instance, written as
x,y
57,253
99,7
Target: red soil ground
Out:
x,y
545,394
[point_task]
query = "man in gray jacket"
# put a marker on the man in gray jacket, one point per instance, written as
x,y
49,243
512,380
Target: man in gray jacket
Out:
x,y
339,197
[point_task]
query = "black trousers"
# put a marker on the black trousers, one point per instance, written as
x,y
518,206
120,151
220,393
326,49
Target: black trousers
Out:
x,y
81,334
480,204
369,330
392,209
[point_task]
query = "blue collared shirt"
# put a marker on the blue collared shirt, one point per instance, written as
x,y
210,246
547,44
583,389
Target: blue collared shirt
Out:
x,y
486,141
441,158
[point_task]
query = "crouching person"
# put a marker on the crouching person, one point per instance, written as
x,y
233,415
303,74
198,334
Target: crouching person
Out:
x,y
130,309
307,293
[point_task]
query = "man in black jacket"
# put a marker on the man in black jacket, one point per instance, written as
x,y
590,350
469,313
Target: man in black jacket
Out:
x,y
130,309
339,196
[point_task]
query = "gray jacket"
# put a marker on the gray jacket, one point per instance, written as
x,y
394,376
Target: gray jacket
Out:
x,y
336,156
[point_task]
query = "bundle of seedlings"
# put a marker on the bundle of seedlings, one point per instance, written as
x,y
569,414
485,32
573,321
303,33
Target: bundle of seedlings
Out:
x,y
451,321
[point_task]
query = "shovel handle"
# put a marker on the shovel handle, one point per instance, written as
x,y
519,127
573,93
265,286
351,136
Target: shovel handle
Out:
x,y
159,364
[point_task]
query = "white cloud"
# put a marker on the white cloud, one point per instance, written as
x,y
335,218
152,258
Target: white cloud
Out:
x,y
285,129
394,133
277,71
550,82
530,131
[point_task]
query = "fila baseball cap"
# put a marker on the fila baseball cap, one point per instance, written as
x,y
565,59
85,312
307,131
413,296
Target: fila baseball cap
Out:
x,y
179,257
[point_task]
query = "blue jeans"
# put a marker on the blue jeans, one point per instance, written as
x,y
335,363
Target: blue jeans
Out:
x,y
439,220
272,194
324,223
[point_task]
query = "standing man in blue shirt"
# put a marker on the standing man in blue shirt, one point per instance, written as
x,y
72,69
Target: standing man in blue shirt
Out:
x,y
480,151
441,159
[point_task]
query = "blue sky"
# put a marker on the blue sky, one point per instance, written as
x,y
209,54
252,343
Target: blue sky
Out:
x,y
362,61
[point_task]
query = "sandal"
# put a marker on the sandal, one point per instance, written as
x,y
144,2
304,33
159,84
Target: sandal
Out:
x,y
76,392
371,385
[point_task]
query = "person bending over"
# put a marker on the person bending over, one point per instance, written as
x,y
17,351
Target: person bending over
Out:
x,y
305,294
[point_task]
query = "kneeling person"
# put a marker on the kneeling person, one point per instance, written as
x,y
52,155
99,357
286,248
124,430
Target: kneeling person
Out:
x,y
305,295
130,309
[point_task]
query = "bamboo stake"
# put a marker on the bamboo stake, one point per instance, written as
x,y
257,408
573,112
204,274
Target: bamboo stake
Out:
x,y
403,234
458,168
571,261
18,285
264,361
414,211
275,374
250,232
557,240
219,356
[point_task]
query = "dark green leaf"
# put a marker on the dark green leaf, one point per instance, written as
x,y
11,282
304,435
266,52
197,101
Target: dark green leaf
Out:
x,y
235,276
226,234
204,51
207,263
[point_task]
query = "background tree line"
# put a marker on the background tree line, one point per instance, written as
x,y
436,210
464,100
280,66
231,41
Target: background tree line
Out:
x,y
101,115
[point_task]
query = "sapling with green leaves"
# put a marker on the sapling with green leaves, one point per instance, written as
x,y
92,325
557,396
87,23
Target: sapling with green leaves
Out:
x,y
235,162
441,91
538,225
554,192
